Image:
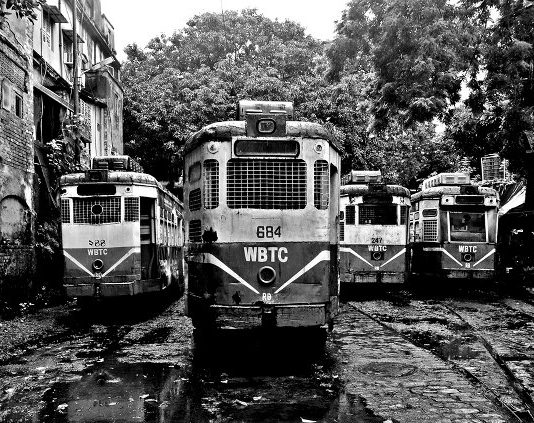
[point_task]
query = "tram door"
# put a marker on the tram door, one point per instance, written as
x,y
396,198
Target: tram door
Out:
x,y
148,238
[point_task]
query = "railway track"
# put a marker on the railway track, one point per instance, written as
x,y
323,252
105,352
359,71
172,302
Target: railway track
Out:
x,y
516,398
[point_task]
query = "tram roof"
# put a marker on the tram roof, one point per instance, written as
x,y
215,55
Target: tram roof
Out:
x,y
117,177
224,131
361,189
438,191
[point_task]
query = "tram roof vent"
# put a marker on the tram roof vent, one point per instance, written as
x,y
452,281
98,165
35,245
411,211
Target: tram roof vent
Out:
x,y
246,107
362,177
124,163
446,179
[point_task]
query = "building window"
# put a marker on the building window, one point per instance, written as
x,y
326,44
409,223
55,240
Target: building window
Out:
x,y
7,90
48,32
90,8
18,105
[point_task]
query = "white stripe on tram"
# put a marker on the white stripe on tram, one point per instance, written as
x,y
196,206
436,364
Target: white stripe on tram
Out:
x,y
443,250
401,252
77,263
484,258
354,253
124,257
322,256
211,259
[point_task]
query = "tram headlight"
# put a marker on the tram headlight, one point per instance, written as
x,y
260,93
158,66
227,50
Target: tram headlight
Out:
x,y
468,257
377,255
97,209
98,265
266,275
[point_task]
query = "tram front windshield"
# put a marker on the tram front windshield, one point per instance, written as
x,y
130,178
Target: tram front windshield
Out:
x,y
469,227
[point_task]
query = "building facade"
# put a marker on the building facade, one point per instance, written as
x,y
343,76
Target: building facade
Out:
x,y
98,128
37,68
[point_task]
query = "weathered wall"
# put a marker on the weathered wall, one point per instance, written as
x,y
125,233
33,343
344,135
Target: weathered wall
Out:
x,y
17,259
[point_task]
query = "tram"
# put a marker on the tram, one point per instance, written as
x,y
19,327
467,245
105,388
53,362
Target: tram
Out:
x,y
122,232
261,204
373,229
453,228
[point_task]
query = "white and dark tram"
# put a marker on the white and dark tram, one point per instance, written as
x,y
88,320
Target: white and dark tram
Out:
x,y
453,228
373,229
122,232
261,204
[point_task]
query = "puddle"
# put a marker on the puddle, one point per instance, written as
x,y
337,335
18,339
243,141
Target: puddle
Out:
x,y
116,392
252,379
459,349
388,369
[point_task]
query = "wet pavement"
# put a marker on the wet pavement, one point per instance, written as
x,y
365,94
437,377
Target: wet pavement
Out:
x,y
390,358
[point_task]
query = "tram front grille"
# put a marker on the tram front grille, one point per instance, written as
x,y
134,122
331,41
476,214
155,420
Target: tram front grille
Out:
x,y
266,184
97,210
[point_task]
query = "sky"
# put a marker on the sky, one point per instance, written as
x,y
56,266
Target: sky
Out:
x,y
134,22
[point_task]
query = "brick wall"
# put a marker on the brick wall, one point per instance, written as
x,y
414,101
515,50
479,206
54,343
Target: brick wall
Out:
x,y
17,257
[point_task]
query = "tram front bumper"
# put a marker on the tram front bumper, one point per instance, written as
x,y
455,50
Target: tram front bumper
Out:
x,y
112,289
244,317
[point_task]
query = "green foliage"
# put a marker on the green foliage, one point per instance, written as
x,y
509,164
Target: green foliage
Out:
x,y
22,8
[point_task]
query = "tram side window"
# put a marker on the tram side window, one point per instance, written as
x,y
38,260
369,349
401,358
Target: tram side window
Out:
x,y
377,214
350,215
320,184
65,211
211,184
403,215
131,209
194,172
467,226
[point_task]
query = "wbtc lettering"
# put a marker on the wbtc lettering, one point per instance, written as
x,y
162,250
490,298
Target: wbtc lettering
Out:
x,y
467,248
97,251
378,248
263,254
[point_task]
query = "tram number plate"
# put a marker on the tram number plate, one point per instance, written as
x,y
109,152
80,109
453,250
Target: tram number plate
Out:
x,y
268,231
267,298
376,240
97,242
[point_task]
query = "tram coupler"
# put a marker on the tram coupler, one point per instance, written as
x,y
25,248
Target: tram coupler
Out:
x,y
268,316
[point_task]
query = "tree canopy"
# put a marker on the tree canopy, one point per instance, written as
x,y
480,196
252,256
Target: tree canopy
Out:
x,y
396,71
22,8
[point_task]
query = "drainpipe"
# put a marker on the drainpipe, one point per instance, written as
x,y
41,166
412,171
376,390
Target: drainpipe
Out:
x,y
60,37
75,87
529,195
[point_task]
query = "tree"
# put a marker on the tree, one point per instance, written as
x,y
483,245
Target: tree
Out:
x,y
180,83
22,8
418,50
502,83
